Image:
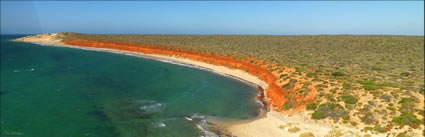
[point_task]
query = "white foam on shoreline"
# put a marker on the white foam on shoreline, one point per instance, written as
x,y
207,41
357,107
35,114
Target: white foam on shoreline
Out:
x,y
155,107
159,125
203,126
149,105
187,118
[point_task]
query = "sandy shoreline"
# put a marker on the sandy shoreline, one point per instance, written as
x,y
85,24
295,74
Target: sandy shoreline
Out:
x,y
233,73
220,69
270,124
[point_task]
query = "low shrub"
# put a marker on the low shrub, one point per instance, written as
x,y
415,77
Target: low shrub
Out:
x,y
386,98
307,134
311,106
407,119
306,84
346,86
403,135
407,104
289,104
347,117
391,108
349,106
369,85
349,99
333,90
283,76
368,128
337,74
293,130
407,100
379,129
372,85
334,133
310,74
330,97
368,118
331,110
289,85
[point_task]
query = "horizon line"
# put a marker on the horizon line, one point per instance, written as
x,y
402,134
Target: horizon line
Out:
x,y
377,34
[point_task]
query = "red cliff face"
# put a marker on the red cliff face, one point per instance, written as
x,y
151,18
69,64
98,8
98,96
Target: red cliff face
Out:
x,y
274,92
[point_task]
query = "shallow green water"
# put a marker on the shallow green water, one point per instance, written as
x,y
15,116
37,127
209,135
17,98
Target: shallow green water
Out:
x,y
64,92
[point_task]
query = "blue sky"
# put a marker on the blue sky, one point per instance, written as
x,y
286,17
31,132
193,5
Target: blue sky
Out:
x,y
214,17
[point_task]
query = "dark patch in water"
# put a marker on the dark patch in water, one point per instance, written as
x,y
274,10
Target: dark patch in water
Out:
x,y
129,114
108,126
209,127
127,117
218,130
98,111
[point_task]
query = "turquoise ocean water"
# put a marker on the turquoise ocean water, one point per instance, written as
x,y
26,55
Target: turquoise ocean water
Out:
x,y
63,92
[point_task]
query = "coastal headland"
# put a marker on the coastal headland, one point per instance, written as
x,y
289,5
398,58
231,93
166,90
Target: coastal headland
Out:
x,y
304,102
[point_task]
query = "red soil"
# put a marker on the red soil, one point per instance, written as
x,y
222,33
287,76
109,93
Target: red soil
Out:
x,y
307,99
275,95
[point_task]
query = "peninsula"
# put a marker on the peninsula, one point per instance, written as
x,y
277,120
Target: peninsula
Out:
x,y
321,85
